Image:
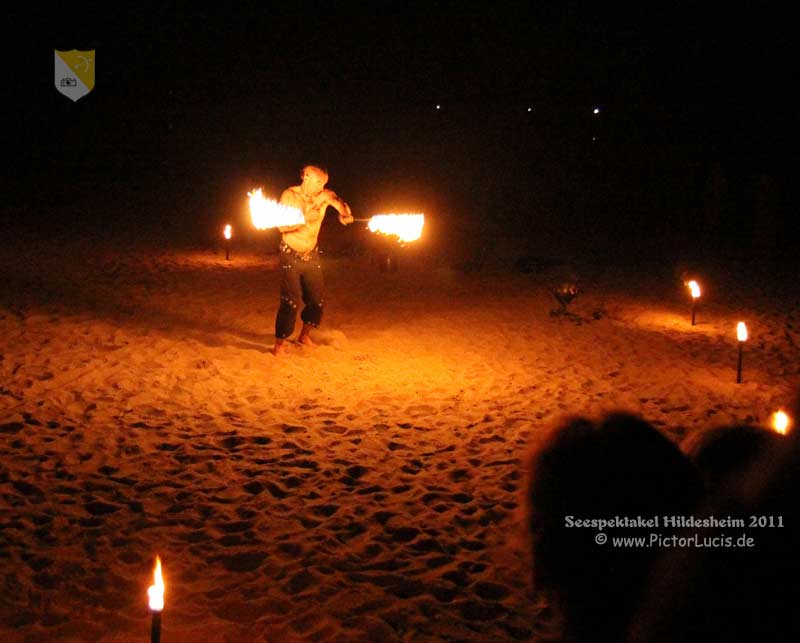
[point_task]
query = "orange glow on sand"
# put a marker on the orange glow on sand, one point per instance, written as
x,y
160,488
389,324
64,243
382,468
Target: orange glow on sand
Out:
x,y
228,231
741,332
155,592
171,352
408,227
781,422
266,213
695,288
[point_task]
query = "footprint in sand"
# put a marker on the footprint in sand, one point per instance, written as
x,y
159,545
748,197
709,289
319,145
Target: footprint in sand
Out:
x,y
248,561
292,550
479,611
420,410
356,471
403,534
261,440
336,429
458,577
99,508
29,490
459,475
11,428
231,442
300,582
325,510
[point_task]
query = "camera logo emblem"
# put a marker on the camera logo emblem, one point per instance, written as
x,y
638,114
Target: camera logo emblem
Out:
x,y
74,72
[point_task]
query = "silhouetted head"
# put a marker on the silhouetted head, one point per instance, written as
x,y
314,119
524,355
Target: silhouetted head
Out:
x,y
732,591
620,466
734,461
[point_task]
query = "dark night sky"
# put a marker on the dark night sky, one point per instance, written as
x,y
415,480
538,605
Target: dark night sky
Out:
x,y
191,106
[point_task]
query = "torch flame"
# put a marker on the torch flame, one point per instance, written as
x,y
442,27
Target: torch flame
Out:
x,y
267,213
781,422
227,232
741,332
156,591
408,227
695,288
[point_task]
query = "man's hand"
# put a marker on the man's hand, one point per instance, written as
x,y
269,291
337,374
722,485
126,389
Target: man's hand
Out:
x,y
345,216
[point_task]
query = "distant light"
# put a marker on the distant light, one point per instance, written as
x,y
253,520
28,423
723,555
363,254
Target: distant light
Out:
x,y
594,138
596,110
530,109
438,107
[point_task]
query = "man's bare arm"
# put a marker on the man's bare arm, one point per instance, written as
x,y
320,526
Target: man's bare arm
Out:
x,y
345,215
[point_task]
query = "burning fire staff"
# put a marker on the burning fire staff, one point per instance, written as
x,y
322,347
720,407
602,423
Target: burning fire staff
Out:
x,y
301,271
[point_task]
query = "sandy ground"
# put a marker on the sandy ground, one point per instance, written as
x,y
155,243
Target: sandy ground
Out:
x,y
366,489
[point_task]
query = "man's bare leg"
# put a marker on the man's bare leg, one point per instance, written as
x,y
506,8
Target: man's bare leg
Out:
x,y
305,335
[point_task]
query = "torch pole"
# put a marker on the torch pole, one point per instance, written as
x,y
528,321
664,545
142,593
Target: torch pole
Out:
x,y
739,365
155,627
227,249
694,307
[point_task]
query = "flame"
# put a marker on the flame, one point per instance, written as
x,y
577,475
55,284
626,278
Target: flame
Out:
x,y
741,332
227,232
781,422
156,591
695,288
408,227
267,213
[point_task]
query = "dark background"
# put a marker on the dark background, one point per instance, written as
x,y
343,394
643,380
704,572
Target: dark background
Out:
x,y
692,155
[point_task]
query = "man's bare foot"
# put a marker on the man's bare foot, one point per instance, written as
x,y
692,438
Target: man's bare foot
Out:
x,y
278,349
305,335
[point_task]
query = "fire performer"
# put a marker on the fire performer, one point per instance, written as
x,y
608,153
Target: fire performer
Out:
x,y
301,270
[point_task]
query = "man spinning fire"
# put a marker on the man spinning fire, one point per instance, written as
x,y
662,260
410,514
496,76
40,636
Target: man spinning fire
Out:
x,y
301,270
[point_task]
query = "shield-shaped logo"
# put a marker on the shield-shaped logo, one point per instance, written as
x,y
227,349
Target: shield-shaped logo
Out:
x,y
74,73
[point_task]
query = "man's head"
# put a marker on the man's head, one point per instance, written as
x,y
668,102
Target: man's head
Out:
x,y
620,465
314,179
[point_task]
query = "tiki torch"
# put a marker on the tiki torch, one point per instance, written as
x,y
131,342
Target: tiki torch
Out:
x,y
741,336
155,594
695,289
781,422
227,234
